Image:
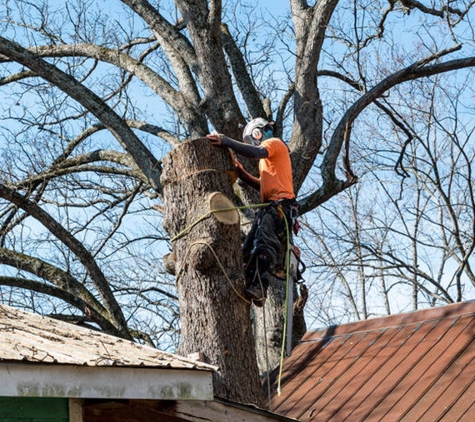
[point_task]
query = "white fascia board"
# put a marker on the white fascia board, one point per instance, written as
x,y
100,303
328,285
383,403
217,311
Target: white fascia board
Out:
x,y
31,380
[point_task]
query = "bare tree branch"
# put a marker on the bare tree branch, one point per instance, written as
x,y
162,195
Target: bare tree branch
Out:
x,y
78,249
144,159
93,314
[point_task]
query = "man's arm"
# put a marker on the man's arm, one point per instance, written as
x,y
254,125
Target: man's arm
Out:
x,y
246,177
240,147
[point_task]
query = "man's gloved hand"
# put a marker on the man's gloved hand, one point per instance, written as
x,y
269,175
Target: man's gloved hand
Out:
x,y
218,139
215,138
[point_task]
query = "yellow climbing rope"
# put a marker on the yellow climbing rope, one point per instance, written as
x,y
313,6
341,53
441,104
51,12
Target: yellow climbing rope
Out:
x,y
287,285
202,242
205,216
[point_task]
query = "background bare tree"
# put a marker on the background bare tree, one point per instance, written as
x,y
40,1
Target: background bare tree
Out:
x,y
95,95
402,243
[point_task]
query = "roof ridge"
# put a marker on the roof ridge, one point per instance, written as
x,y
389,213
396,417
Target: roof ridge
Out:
x,y
388,321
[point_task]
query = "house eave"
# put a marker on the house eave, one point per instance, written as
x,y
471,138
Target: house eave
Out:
x,y
72,381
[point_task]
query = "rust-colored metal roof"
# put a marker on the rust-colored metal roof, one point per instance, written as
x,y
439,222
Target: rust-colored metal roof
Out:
x,y
27,337
418,366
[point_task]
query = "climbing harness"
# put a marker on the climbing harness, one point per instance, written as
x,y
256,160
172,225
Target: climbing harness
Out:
x,y
288,211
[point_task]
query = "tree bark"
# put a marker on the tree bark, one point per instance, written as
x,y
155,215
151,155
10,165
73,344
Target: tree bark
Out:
x,y
215,319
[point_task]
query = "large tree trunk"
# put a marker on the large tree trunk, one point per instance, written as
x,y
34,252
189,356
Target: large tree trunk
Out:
x,y
215,319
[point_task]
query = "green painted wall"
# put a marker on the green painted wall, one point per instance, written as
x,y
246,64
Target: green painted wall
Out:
x,y
33,409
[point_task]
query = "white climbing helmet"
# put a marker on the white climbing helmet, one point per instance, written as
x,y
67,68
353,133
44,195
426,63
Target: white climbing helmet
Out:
x,y
257,130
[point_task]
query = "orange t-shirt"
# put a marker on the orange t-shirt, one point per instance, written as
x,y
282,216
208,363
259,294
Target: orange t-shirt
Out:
x,y
276,172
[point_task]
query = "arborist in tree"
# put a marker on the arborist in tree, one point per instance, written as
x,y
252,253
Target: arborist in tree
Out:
x,y
264,241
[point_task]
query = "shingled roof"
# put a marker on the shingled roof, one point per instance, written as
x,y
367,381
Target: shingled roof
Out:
x,y
418,366
48,340
44,357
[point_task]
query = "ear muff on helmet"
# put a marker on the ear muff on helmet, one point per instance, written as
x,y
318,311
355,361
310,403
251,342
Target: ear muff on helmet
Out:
x,y
256,133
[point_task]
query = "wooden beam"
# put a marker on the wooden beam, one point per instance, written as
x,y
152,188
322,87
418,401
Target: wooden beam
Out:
x,y
220,411
216,410
75,410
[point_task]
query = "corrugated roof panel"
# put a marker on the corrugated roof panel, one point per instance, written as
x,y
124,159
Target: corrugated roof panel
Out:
x,y
316,375
304,363
349,385
403,338
456,388
337,380
464,409
439,368
409,367
423,367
